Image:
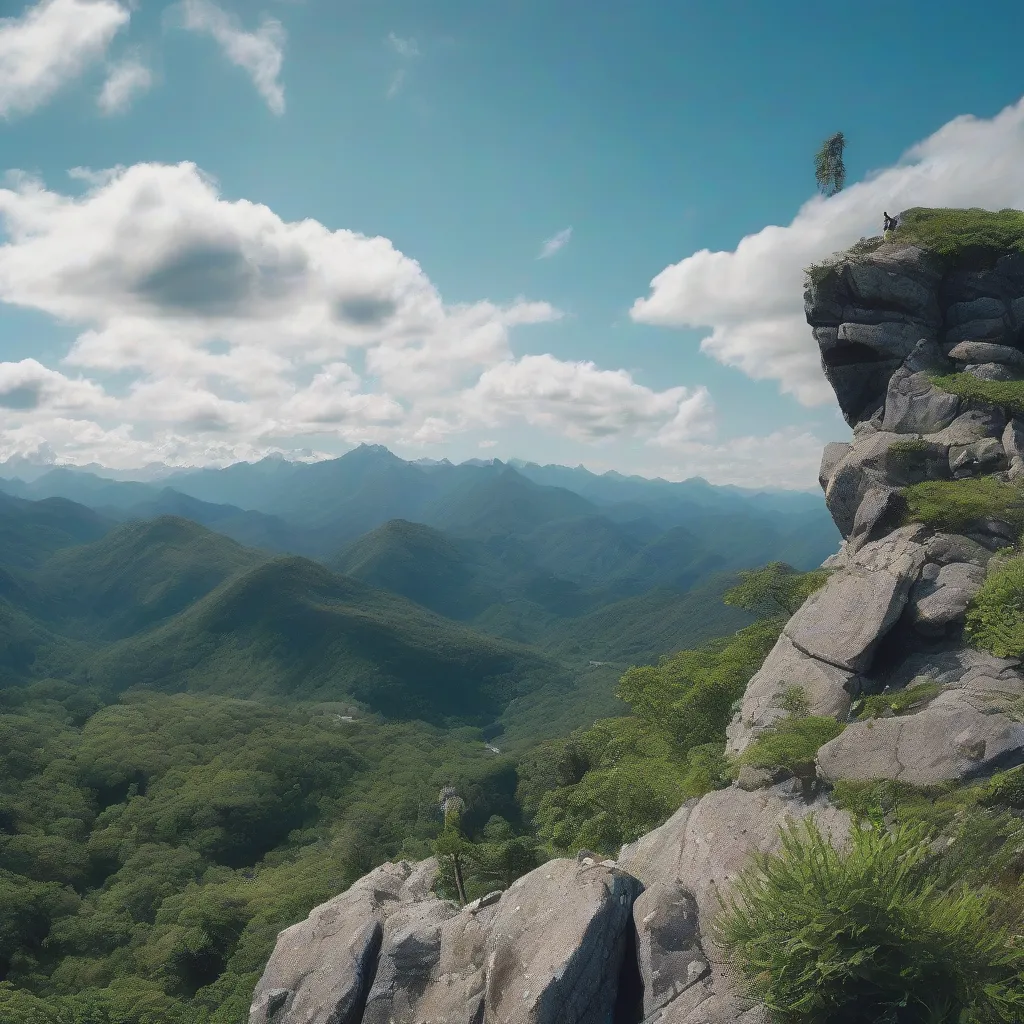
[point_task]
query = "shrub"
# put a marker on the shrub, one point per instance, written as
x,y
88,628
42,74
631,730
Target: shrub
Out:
x,y
867,934
791,744
995,618
898,701
1008,394
955,505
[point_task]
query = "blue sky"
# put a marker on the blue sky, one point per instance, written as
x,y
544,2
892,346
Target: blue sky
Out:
x,y
150,311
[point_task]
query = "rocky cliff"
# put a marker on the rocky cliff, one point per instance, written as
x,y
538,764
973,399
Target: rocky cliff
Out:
x,y
592,941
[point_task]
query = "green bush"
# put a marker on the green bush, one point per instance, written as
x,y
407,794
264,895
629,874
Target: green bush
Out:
x,y
791,744
898,701
954,505
995,618
868,934
1008,394
775,589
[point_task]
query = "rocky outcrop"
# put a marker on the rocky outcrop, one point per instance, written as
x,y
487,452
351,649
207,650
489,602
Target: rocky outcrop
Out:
x,y
633,939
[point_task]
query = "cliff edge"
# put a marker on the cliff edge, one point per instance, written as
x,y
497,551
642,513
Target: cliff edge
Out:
x,y
925,350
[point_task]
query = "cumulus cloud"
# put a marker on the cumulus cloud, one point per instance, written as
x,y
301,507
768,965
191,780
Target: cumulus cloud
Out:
x,y
50,44
209,327
750,298
259,53
555,243
125,80
581,401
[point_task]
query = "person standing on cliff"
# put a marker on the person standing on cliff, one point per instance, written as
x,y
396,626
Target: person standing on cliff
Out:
x,y
890,226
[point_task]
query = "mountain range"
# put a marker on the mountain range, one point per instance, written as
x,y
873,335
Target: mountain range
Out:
x,y
427,590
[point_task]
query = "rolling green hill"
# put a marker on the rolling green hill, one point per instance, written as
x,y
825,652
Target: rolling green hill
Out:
x,y
138,575
31,531
290,628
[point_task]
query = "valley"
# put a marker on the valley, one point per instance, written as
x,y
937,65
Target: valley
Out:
x,y
220,704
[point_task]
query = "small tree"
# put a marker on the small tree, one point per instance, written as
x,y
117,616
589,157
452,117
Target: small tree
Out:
x,y
829,168
452,845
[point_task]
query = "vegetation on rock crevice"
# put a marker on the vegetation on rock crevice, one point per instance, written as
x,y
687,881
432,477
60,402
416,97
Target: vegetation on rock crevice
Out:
x,y
1007,394
958,505
957,238
995,618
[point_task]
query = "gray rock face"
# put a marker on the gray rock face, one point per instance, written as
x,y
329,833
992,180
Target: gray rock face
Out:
x,y
826,688
320,969
939,599
885,340
985,456
938,744
974,424
992,371
833,454
703,846
669,952
407,963
901,279
913,405
842,623
979,309
555,945
976,332
1013,438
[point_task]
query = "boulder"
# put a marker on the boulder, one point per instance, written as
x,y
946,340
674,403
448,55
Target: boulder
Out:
x,y
833,454
913,405
407,963
859,379
941,595
944,548
938,744
1017,310
1013,438
827,689
555,945
843,622
992,371
668,947
320,970
986,352
985,456
973,424
976,332
880,507
986,308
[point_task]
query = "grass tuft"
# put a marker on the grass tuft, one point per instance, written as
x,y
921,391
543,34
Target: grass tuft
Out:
x,y
898,701
954,505
1008,394
791,744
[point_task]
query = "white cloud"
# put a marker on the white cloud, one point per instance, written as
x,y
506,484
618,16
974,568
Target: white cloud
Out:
x,y
260,53
580,401
751,297
125,80
50,44
554,243
403,47
209,328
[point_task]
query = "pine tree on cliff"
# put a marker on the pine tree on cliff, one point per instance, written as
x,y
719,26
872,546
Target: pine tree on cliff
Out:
x,y
829,168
